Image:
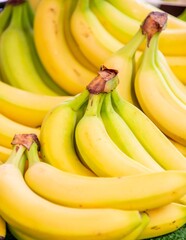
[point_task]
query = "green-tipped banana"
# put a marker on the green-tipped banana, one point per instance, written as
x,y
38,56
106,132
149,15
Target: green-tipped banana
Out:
x,y
17,66
153,140
125,139
160,97
5,16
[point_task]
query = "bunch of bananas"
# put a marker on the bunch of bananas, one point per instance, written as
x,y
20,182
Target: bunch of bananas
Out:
x,y
84,181
92,133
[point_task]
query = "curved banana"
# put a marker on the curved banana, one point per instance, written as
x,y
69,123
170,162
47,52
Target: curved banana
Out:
x,y
4,153
139,10
5,16
57,135
133,235
164,107
69,9
75,191
172,41
2,228
124,138
19,235
56,222
179,146
96,43
58,60
28,28
26,107
97,149
153,140
124,61
164,220
17,67
8,128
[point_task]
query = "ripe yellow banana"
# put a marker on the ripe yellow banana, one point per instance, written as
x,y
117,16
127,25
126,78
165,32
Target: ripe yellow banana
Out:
x,y
97,149
172,41
56,222
139,9
123,137
57,135
164,220
58,60
4,153
153,140
76,191
26,107
95,42
133,235
160,102
8,128
33,4
2,228
69,8
20,235
17,67
179,146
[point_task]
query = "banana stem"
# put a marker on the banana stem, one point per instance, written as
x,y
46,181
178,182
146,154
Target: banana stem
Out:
x,y
94,104
16,20
33,154
5,16
131,47
78,100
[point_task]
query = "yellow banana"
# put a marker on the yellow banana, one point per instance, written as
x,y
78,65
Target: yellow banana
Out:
x,y
165,107
8,128
33,4
56,222
26,107
124,138
95,42
69,8
97,149
139,9
17,67
58,60
2,228
153,140
76,191
164,220
133,235
172,41
57,135
4,153
19,235
28,28
179,146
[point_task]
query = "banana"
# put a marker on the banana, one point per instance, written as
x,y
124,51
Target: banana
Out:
x,y
69,8
164,220
57,133
139,229
56,222
150,136
28,28
76,191
165,107
19,235
5,16
33,4
94,144
171,40
25,107
8,128
124,61
4,153
17,67
58,60
96,43
123,137
2,228
139,9
182,15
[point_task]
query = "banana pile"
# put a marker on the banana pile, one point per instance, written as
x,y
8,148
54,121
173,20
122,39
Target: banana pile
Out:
x,y
92,120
